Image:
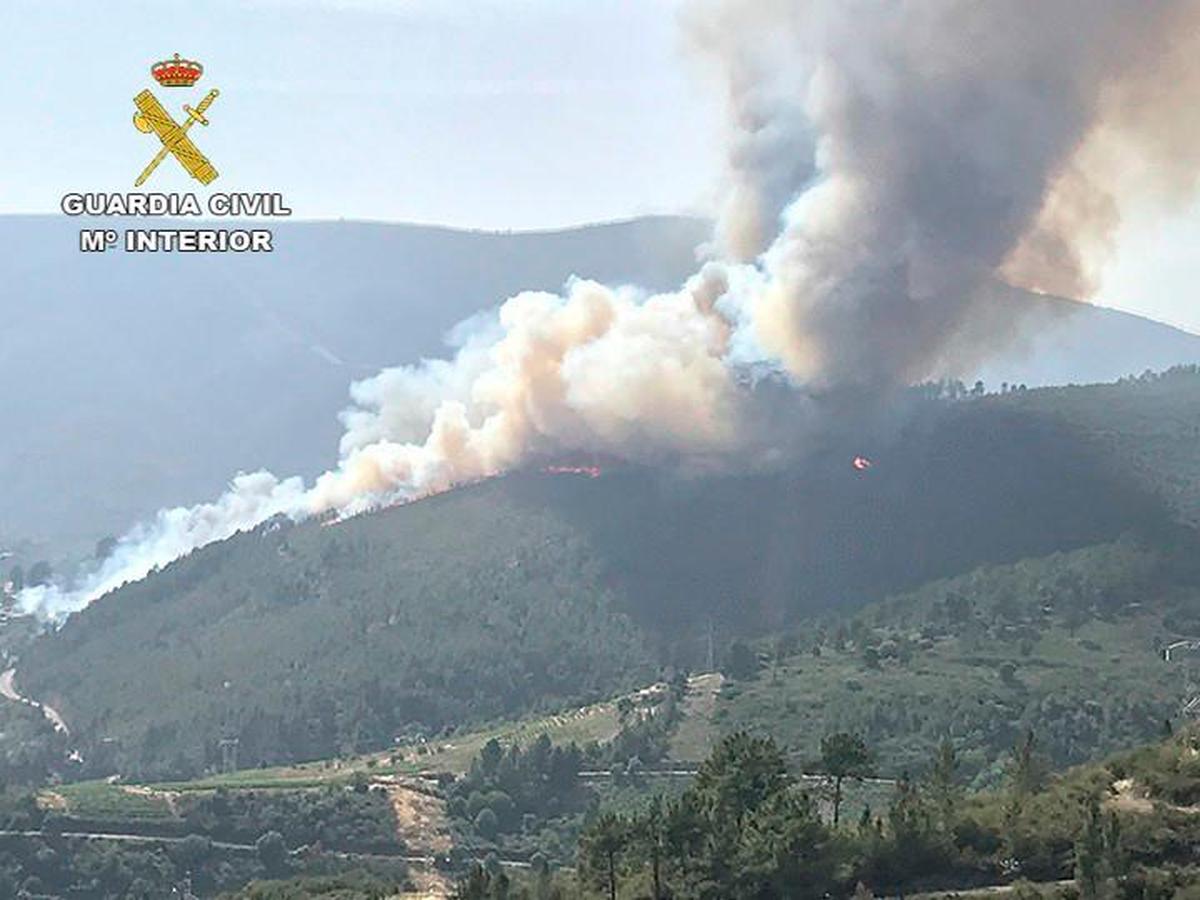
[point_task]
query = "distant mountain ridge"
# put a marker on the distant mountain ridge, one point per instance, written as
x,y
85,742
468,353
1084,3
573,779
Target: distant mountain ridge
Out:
x,y
133,382
1055,341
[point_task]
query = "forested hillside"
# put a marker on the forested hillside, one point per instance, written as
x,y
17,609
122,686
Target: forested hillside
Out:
x,y
1147,427
1069,645
748,827
537,589
309,641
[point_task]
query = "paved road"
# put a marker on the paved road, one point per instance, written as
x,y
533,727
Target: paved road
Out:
x,y
601,774
8,689
688,772
122,837
990,890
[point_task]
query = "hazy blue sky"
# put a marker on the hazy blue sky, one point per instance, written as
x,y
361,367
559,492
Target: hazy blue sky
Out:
x,y
478,113
504,114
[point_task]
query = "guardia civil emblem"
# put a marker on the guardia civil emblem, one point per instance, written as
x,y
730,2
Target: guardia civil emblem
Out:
x,y
152,116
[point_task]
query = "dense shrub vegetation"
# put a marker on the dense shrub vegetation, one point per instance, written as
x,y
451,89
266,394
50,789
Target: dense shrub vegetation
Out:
x,y
747,829
335,818
282,833
985,656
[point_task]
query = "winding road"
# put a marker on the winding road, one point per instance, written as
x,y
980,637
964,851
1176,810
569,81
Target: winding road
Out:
x,y
8,688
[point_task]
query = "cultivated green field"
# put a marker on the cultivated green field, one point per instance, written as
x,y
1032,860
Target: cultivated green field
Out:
x,y
108,801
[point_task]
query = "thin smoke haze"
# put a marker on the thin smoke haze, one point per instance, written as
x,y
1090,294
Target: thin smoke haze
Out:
x,y
886,163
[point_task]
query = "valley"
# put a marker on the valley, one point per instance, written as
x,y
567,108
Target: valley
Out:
x,y
956,589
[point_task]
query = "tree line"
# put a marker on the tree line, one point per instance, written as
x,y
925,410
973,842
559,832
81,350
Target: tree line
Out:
x,y
747,829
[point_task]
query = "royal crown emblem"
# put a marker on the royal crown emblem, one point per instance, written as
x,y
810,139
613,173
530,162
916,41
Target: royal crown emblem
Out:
x,y
177,72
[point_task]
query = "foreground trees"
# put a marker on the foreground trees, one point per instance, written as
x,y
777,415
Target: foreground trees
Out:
x,y
742,830
599,850
844,756
746,830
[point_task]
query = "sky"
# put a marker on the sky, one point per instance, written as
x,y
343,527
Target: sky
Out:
x,y
507,114
495,114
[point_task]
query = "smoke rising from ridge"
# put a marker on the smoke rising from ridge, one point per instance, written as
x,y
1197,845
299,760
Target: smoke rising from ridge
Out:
x,y
952,140
597,369
886,162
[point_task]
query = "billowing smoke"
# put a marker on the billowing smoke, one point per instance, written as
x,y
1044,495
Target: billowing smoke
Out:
x,y
596,368
251,499
1141,149
887,162
953,140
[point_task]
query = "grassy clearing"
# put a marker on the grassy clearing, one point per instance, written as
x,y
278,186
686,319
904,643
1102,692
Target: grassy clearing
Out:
x,y
454,754
295,778
695,734
596,723
103,800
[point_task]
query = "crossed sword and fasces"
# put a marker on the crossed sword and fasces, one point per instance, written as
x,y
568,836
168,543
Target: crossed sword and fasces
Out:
x,y
151,116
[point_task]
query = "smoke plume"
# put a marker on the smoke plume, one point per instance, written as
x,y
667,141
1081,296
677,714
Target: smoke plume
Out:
x,y
886,163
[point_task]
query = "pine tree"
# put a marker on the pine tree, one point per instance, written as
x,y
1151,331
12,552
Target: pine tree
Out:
x,y
1113,851
1089,853
1027,769
601,846
943,784
844,756
649,840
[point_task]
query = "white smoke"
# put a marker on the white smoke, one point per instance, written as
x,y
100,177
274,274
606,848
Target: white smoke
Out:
x,y
251,499
886,162
596,368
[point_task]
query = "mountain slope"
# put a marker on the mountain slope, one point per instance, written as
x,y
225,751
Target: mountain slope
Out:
x,y
983,657
1149,426
536,588
1040,340
311,641
135,381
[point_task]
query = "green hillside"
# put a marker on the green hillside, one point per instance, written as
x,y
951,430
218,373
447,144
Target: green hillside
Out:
x,y
1067,645
311,641
1149,426
747,827
538,591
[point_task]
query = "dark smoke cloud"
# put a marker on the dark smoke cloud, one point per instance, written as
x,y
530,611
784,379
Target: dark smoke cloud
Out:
x,y
953,138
